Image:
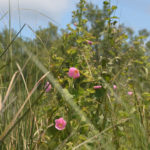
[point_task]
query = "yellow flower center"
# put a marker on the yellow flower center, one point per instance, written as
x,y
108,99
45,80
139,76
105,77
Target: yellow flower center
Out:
x,y
76,71
60,125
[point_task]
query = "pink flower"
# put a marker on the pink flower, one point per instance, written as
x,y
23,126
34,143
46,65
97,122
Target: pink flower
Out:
x,y
114,86
73,72
89,42
75,24
97,87
130,93
60,124
47,87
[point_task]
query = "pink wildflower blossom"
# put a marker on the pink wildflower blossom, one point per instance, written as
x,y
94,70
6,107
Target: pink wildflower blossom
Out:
x,y
97,87
89,42
130,93
114,86
75,24
74,73
47,87
60,124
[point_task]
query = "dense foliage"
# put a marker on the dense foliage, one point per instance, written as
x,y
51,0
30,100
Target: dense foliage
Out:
x,y
113,115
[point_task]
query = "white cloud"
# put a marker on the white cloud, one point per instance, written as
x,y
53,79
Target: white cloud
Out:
x,y
30,10
43,5
51,6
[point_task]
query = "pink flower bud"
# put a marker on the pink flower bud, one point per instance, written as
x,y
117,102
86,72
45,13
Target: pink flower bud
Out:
x,y
114,86
130,93
47,87
75,24
89,42
74,73
60,124
97,87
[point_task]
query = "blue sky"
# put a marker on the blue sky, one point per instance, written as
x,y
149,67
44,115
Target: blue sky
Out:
x,y
133,13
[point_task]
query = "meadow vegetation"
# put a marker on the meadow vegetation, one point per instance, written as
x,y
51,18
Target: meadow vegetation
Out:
x,y
86,88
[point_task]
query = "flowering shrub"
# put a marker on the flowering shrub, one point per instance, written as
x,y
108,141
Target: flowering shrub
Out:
x,y
98,114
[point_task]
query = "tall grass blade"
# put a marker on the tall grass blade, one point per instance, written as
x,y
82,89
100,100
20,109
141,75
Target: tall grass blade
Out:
x,y
9,88
7,48
12,123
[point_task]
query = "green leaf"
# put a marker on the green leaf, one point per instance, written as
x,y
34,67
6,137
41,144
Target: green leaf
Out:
x,y
114,7
114,17
71,51
82,137
105,2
